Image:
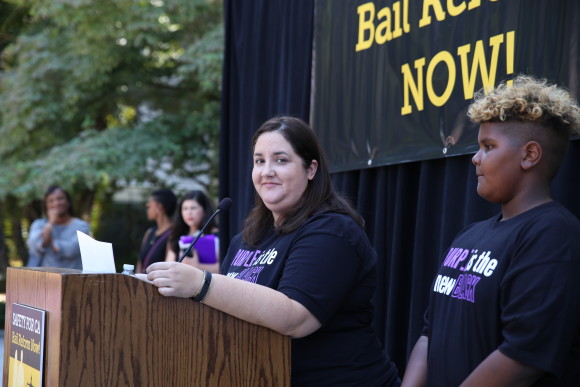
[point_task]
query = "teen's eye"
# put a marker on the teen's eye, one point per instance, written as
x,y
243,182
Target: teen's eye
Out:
x,y
281,160
258,161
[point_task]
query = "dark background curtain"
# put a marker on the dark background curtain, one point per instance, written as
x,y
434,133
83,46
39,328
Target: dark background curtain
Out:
x,y
412,210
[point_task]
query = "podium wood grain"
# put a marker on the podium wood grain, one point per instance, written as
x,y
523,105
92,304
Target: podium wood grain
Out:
x,y
115,330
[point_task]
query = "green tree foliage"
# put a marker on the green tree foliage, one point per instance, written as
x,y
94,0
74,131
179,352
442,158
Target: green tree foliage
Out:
x,y
97,93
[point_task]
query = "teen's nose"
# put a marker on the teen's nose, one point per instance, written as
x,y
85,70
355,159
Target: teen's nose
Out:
x,y
476,159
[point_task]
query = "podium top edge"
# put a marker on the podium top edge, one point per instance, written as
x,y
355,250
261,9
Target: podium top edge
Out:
x,y
58,270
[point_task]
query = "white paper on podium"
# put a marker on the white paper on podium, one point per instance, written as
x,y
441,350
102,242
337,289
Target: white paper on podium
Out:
x,y
97,256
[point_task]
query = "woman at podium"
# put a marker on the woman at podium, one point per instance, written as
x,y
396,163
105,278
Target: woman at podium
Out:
x,y
302,266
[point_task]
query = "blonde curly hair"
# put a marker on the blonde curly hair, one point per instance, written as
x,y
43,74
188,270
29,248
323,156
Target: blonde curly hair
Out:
x,y
528,99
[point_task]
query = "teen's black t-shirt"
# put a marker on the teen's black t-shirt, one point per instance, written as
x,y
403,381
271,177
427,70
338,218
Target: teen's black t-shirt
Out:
x,y
327,265
511,285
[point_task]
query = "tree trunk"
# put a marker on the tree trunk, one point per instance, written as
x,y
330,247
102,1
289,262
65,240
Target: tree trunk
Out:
x,y
84,203
3,249
14,216
18,240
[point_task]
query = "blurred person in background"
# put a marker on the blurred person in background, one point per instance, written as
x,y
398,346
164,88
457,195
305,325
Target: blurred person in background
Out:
x,y
194,211
160,209
52,241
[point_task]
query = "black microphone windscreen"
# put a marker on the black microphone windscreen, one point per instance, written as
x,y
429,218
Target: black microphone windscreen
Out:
x,y
225,204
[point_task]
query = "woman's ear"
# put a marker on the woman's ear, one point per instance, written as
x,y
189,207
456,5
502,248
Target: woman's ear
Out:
x,y
311,170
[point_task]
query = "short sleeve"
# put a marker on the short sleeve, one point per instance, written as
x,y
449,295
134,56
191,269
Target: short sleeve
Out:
x,y
321,272
425,329
540,301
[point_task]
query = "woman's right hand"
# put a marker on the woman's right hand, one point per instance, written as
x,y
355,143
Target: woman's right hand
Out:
x,y
175,279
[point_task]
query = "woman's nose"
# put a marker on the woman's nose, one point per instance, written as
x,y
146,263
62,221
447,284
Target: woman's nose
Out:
x,y
267,169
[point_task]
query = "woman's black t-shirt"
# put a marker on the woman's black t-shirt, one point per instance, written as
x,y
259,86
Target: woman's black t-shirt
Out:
x,y
327,265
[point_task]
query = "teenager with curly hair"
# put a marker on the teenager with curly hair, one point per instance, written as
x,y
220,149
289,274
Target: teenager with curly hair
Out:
x,y
505,305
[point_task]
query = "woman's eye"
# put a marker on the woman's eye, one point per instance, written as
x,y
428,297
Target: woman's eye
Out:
x,y
281,160
258,161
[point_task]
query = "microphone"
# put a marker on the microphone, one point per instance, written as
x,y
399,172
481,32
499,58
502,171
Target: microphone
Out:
x,y
223,205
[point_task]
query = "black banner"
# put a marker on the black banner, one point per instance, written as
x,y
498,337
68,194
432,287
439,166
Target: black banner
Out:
x,y
393,79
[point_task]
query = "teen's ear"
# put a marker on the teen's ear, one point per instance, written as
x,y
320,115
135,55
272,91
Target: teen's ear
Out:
x,y
532,155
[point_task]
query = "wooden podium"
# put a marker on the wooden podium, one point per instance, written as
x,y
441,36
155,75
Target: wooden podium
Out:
x,y
116,330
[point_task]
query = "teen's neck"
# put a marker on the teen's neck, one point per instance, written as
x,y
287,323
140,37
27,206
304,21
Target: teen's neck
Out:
x,y
519,205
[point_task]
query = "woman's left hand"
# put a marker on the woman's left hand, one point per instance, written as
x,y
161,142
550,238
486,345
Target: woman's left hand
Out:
x,y
175,279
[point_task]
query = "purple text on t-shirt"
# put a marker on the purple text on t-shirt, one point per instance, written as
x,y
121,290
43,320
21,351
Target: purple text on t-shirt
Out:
x,y
250,274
